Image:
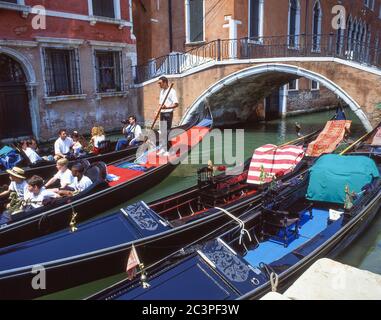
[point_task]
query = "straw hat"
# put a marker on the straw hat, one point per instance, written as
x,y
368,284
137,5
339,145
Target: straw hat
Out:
x,y
17,172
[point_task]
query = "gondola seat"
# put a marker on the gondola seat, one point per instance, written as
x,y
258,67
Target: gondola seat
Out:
x,y
281,226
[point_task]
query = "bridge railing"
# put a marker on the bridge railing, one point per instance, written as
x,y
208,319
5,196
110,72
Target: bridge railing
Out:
x,y
322,45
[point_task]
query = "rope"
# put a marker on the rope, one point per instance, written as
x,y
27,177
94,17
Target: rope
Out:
x,y
241,224
274,280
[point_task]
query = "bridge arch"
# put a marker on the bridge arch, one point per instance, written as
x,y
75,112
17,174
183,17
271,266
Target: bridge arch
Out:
x,y
262,69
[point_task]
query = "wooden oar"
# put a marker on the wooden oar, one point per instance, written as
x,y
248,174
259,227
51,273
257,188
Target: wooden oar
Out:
x,y
299,139
161,107
356,142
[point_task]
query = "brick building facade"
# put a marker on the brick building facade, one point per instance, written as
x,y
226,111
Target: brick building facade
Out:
x,y
168,26
65,65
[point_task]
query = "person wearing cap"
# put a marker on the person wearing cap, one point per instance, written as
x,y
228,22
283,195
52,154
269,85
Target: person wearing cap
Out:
x,y
18,183
63,174
132,132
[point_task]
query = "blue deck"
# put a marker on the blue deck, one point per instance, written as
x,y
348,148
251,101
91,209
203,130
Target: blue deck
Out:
x,y
101,233
269,251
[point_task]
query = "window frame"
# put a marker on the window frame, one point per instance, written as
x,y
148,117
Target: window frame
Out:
x,y
187,23
96,69
297,25
317,85
117,11
261,10
296,86
73,77
320,26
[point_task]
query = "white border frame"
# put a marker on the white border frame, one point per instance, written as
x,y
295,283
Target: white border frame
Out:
x,y
297,25
260,22
187,23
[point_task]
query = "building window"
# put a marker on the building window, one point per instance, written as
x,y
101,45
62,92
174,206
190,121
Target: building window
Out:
x,y
105,8
62,72
195,20
108,67
256,13
293,23
315,85
369,4
21,2
316,26
293,85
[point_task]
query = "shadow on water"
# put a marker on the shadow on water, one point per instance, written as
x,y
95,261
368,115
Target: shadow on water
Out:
x,y
364,253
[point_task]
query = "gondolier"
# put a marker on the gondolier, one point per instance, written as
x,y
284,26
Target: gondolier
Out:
x,y
167,106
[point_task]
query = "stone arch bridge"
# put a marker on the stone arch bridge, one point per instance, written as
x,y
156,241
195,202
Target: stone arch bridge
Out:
x,y
240,80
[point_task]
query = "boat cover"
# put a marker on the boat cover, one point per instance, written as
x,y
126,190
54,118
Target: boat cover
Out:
x,y
332,173
329,138
270,160
134,222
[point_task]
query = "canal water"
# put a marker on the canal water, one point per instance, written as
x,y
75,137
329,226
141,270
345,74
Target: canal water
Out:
x,y
365,253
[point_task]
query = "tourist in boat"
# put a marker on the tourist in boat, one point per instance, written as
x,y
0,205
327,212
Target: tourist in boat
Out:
x,y
97,136
166,114
63,145
64,175
18,183
132,132
79,144
30,152
15,192
80,183
37,195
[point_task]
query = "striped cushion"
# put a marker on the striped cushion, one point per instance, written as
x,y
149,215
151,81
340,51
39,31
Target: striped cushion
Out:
x,y
269,161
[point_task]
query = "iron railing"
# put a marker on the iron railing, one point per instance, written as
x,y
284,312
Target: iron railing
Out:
x,y
331,45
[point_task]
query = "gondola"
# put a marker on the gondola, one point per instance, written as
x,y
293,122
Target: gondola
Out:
x,y
134,177
156,229
275,242
46,169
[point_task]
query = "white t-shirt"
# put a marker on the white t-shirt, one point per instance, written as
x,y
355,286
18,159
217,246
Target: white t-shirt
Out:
x,y
77,147
136,130
98,139
32,155
36,200
66,178
81,185
63,146
19,188
172,99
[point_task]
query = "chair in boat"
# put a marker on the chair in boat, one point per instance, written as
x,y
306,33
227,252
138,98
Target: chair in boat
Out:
x,y
282,225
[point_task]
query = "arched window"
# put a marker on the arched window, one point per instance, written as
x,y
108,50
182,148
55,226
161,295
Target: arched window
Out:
x,y
293,23
316,26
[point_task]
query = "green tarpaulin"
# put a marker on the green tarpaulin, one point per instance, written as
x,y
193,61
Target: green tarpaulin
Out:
x,y
331,173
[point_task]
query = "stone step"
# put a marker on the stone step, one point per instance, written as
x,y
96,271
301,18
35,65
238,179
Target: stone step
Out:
x,y
330,280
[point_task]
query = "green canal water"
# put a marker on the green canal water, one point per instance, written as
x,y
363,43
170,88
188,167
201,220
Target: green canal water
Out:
x,y
365,253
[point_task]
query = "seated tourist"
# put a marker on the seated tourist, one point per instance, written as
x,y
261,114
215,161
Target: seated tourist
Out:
x,y
79,144
18,183
63,174
36,194
63,145
80,183
29,152
97,136
132,132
